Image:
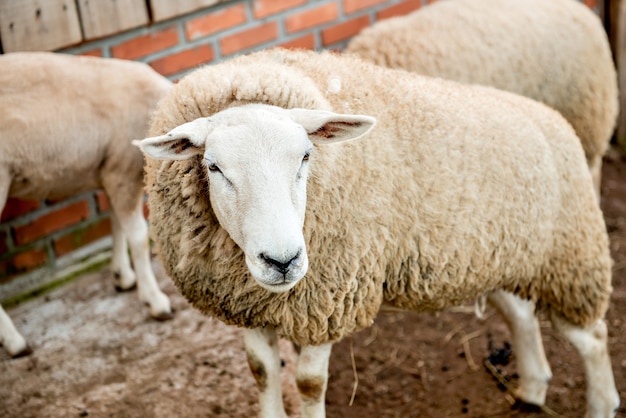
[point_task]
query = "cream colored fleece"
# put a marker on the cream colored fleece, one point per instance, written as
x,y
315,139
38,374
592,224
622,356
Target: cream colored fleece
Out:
x,y
99,104
556,52
458,191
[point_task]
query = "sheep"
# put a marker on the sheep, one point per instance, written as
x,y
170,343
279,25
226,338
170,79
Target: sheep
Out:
x,y
65,128
556,52
276,205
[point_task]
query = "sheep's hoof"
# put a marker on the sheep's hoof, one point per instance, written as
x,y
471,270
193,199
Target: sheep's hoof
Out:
x,y
164,316
26,351
525,407
121,289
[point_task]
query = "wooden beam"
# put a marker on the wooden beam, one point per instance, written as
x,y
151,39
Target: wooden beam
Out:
x,y
38,25
165,9
106,17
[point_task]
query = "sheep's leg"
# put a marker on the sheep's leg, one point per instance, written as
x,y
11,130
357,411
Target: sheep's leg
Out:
x,y
10,338
125,278
122,182
595,167
135,229
591,343
312,379
264,361
533,367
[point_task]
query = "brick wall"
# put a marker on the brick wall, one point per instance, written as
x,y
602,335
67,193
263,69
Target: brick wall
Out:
x,y
42,241
213,34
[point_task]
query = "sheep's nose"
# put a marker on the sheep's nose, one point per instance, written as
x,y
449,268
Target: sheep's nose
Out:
x,y
284,265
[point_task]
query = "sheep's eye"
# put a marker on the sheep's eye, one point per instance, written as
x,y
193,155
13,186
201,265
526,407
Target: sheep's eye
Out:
x,y
214,168
306,156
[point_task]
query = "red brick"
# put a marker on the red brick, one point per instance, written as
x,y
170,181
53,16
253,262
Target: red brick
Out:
x,y
18,207
304,42
82,237
399,9
23,262
216,22
183,60
249,38
146,44
311,18
264,8
103,201
344,30
52,222
351,6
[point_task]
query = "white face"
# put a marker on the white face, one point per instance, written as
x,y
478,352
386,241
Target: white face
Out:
x,y
257,171
257,159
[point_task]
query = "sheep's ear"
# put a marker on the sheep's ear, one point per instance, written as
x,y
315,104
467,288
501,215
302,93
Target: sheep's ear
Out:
x,y
180,143
327,127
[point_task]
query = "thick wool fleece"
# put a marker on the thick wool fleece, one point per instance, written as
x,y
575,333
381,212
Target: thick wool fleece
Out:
x,y
458,191
555,52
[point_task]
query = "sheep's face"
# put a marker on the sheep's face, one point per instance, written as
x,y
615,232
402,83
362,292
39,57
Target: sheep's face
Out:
x,y
257,159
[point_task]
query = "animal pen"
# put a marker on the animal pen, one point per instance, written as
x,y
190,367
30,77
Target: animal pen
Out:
x,y
98,353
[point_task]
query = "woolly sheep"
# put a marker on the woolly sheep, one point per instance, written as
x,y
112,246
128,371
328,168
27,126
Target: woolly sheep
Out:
x,y
457,191
556,52
65,128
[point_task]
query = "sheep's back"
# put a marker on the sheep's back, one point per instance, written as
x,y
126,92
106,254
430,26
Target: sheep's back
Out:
x,y
556,52
74,114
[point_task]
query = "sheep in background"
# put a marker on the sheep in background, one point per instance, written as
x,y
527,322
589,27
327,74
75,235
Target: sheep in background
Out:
x,y
457,192
556,52
65,128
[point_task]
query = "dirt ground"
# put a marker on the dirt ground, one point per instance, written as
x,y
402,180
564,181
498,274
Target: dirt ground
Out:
x,y
98,354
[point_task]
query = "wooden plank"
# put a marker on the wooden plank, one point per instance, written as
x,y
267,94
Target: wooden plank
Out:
x,y
107,17
165,9
38,25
